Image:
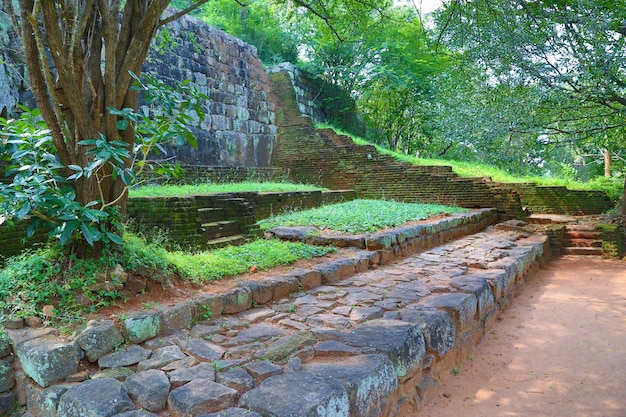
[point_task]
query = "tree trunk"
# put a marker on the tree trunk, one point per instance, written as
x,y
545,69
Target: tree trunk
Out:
x,y
607,163
91,51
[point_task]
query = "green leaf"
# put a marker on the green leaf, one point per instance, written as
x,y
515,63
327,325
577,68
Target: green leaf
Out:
x,y
122,124
68,230
90,233
23,211
114,238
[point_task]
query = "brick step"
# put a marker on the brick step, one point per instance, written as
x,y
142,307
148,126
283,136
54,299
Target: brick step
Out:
x,y
221,242
211,214
583,251
220,229
585,227
580,234
583,243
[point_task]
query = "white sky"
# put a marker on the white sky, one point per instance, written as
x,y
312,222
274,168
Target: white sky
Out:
x,y
424,6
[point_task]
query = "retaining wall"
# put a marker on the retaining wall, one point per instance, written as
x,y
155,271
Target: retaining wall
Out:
x,y
560,200
178,216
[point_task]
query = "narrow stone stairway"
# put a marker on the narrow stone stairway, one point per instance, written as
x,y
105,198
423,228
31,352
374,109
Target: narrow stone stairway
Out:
x,y
583,239
364,335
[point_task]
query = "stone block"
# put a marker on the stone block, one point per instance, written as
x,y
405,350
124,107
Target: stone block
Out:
x,y
129,355
99,338
209,306
181,376
149,389
402,342
237,300
298,394
370,380
177,317
462,307
261,291
282,287
308,278
142,326
101,397
437,327
236,378
7,375
43,402
48,360
200,396
482,291
336,270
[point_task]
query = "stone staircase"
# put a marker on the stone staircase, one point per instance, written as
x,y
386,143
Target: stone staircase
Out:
x,y
226,220
582,239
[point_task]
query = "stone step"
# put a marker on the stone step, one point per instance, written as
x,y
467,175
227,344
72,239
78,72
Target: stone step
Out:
x,y
583,251
211,214
583,234
233,240
582,227
220,229
586,243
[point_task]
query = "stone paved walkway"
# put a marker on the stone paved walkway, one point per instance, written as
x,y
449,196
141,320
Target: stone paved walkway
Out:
x,y
367,345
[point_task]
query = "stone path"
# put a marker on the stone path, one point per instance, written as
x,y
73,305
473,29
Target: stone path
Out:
x,y
370,344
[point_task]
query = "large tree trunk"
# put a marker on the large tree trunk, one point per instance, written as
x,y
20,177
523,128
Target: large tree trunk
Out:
x,y
92,54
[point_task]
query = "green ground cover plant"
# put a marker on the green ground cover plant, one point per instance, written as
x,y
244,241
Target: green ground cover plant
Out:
x,y
211,188
233,260
359,216
613,187
46,276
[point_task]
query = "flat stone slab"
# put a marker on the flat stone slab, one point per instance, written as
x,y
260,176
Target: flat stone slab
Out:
x,y
130,355
48,360
402,342
298,394
102,397
369,379
200,396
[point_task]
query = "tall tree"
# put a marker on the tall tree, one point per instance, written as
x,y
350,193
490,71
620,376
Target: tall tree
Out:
x,y
574,50
81,56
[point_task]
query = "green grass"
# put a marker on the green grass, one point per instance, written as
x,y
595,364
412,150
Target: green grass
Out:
x,y
233,260
614,187
359,216
48,276
211,188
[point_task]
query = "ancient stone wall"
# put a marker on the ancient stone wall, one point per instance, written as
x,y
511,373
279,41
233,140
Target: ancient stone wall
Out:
x,y
239,128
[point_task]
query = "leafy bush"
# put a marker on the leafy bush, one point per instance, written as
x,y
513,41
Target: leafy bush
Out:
x,y
359,216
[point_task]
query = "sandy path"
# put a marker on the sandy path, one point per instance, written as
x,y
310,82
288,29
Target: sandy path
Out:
x,y
559,350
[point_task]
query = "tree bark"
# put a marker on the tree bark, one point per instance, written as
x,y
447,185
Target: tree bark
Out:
x,y
607,163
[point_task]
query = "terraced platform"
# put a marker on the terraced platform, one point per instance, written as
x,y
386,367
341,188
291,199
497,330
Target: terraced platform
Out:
x,y
363,336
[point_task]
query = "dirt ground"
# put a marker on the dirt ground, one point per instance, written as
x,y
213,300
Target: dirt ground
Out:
x,y
558,350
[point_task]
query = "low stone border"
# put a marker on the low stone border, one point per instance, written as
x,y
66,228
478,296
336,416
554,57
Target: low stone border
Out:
x,y
385,364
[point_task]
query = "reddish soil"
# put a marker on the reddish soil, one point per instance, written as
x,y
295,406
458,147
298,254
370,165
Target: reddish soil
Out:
x,y
181,290
558,350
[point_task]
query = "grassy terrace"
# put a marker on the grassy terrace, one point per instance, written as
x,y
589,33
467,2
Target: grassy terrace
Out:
x,y
211,188
49,276
359,216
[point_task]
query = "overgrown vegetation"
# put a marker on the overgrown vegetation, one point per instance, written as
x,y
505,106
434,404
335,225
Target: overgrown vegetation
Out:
x,y
359,216
74,286
613,187
227,187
